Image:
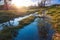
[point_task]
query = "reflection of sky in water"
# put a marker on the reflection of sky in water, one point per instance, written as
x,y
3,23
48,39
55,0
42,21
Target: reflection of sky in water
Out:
x,y
1,27
29,32
14,22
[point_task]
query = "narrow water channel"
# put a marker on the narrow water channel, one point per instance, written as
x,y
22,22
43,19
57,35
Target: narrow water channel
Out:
x,y
14,22
29,32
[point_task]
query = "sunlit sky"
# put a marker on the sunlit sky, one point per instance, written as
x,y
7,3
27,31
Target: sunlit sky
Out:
x,y
24,2
28,2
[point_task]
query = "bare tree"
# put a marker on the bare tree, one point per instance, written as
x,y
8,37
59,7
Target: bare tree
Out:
x,y
44,2
43,25
6,4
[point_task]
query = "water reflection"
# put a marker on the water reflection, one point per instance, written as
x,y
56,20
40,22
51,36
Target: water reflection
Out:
x,y
29,32
14,22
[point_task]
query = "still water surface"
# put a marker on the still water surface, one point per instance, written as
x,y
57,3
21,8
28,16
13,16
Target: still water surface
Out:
x,y
29,32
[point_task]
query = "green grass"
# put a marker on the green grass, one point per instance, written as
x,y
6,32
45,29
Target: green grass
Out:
x,y
54,13
9,32
6,15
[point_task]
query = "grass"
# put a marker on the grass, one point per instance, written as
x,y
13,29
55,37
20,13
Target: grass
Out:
x,y
9,32
6,15
54,13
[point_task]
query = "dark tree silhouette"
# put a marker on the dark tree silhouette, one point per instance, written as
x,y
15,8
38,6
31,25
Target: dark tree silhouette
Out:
x,y
43,3
44,26
6,4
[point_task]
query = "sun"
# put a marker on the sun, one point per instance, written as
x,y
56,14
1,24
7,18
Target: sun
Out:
x,y
21,3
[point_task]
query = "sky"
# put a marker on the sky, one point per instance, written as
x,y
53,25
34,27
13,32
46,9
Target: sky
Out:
x,y
35,2
24,2
1,2
56,2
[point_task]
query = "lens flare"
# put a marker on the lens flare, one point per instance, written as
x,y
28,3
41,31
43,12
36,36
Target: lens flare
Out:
x,y
21,3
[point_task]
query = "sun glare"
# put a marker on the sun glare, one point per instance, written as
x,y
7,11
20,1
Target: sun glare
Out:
x,y
21,3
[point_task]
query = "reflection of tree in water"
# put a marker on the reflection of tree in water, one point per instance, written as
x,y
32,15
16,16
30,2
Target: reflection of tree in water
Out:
x,y
9,33
43,25
45,28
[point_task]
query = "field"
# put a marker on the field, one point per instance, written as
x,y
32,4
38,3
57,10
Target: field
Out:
x,y
6,15
53,12
9,32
